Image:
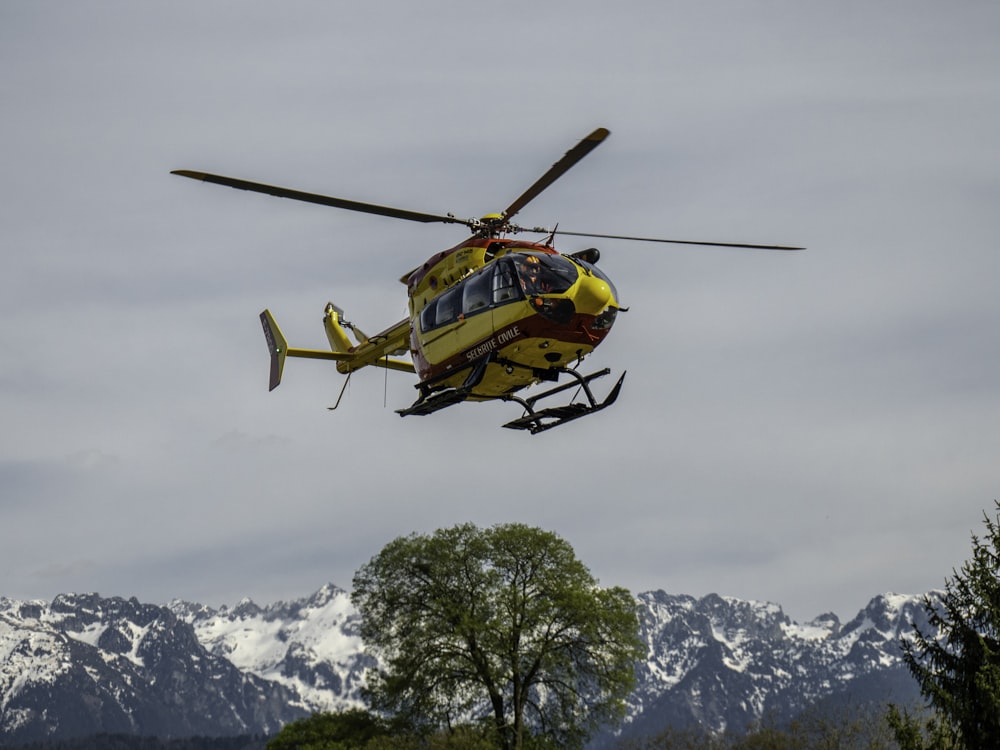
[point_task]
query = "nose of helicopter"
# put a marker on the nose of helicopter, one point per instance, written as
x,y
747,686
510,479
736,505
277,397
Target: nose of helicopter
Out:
x,y
593,295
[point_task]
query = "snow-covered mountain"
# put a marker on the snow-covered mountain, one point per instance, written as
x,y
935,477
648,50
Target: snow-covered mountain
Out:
x,y
83,664
310,646
725,663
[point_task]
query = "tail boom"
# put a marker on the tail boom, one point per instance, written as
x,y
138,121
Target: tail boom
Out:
x,y
372,351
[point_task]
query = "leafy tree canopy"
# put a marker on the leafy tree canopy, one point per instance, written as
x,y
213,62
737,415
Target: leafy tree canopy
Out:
x,y
329,731
503,624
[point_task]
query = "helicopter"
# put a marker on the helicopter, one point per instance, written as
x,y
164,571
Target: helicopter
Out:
x,y
488,317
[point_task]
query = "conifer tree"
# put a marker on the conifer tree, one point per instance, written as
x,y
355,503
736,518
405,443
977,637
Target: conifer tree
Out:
x,y
957,662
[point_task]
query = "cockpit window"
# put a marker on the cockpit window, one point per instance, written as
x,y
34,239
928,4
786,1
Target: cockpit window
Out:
x,y
544,274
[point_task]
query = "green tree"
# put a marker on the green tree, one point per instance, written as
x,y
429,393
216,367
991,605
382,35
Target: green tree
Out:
x,y
920,731
860,726
501,624
330,731
456,738
957,662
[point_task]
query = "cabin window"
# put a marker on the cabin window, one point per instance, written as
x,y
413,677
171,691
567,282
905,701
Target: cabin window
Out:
x,y
428,315
505,286
442,310
449,305
476,292
495,285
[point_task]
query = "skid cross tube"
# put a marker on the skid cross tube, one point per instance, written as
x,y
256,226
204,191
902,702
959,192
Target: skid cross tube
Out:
x,y
545,419
581,381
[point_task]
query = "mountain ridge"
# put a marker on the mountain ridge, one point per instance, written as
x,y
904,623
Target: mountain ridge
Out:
x,y
86,664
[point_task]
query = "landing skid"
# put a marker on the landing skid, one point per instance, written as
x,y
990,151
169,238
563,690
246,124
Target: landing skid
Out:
x,y
428,404
553,416
532,420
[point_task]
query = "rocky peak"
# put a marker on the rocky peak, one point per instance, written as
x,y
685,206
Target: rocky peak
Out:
x,y
86,663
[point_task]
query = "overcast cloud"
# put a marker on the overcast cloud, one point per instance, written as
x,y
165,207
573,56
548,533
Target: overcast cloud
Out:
x,y
810,429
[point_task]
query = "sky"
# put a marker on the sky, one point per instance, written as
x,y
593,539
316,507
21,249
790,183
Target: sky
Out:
x,y
811,429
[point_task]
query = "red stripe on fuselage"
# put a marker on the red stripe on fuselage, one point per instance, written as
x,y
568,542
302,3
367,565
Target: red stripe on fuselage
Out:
x,y
576,332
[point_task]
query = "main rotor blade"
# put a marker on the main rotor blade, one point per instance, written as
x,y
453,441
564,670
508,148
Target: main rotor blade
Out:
x,y
323,200
558,169
672,242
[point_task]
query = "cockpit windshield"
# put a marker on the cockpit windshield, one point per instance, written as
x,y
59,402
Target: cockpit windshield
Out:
x,y
540,273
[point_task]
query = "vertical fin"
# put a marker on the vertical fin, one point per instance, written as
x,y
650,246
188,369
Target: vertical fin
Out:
x,y
276,345
335,332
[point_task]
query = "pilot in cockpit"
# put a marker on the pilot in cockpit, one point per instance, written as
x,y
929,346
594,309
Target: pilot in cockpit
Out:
x,y
531,280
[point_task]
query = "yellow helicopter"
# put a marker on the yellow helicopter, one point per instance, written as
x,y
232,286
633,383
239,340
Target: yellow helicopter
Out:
x,y
488,317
